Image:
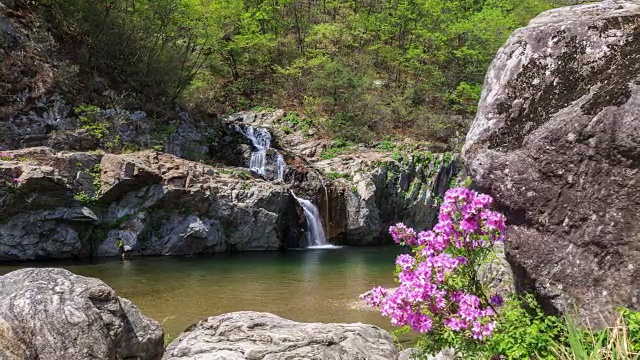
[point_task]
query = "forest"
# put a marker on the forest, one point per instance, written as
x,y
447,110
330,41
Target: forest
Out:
x,y
361,70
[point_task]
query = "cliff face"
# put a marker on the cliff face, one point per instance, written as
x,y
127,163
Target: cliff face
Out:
x,y
66,204
78,180
556,141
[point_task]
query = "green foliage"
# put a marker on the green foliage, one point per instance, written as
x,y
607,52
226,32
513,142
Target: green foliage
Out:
x,y
154,46
292,118
335,176
525,331
9,186
460,180
85,198
386,145
130,148
103,125
446,158
91,120
620,341
465,97
287,130
93,198
364,69
294,121
239,173
338,147
632,321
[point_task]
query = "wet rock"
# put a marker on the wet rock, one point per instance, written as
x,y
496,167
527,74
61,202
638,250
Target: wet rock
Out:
x,y
556,142
254,335
55,314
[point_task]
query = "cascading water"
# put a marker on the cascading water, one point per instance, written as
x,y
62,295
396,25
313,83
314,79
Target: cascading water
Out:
x,y
281,166
316,238
261,140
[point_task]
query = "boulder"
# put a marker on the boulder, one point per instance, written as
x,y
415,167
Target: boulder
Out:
x,y
255,335
556,142
55,314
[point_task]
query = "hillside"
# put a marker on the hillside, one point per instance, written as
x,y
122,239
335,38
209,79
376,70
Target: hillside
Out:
x,y
362,71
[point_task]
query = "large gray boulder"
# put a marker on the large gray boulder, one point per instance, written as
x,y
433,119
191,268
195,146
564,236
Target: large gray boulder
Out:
x,y
556,141
55,314
263,336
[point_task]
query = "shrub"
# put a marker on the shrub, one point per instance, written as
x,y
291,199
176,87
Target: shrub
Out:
x,y
338,147
438,291
439,295
524,331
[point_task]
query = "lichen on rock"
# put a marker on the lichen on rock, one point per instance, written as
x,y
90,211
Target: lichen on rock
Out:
x,y
556,142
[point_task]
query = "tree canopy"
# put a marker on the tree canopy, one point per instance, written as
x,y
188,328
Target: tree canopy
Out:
x,y
360,68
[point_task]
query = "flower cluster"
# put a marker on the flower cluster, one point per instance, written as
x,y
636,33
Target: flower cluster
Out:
x,y
4,156
438,289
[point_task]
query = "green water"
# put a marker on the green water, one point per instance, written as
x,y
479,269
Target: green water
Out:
x,y
305,285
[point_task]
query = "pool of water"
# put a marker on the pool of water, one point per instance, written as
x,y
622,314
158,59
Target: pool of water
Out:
x,y
320,285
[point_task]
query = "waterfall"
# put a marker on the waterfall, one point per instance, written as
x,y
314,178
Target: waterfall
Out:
x,y
261,140
315,233
281,165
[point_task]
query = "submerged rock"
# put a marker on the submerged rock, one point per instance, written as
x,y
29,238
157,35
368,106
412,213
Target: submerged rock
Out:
x,y
556,142
255,335
55,314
